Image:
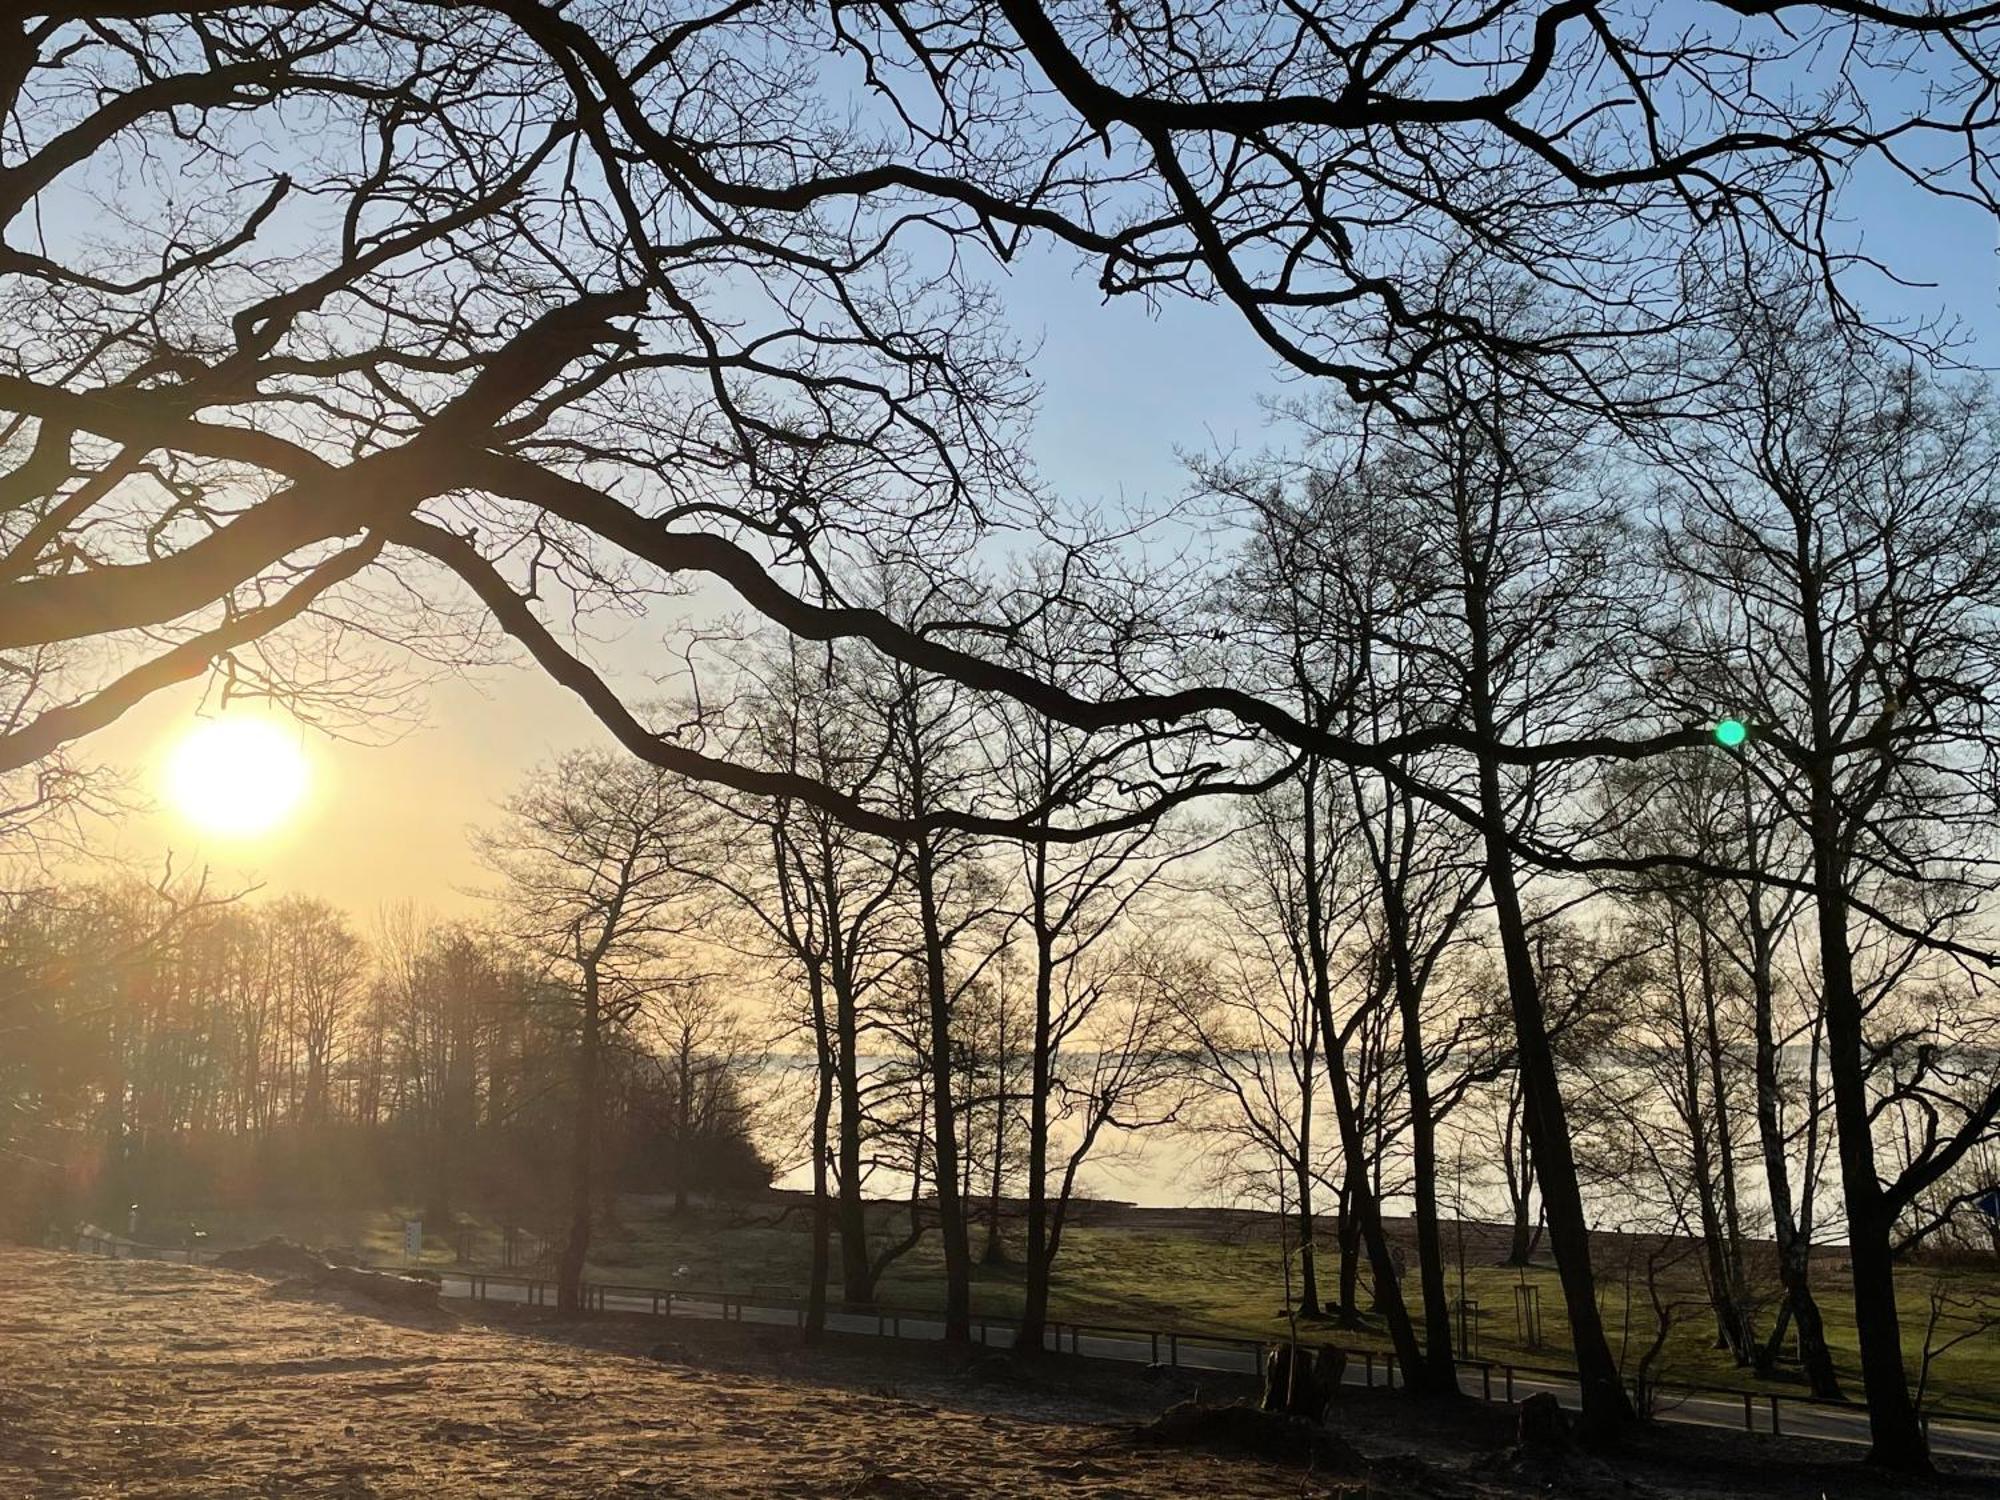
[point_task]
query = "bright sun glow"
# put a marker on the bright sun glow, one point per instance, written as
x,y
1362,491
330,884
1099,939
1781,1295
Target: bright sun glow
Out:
x,y
237,775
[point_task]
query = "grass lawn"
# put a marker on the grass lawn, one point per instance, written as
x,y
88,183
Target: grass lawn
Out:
x,y
1195,1270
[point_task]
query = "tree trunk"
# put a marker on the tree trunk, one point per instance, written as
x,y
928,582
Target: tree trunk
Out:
x,y
857,1277
683,1145
1740,1326
1605,1407
995,1253
944,1116
1701,1152
1347,1238
1802,1308
1440,1372
1518,1160
1366,1208
1794,1248
1897,1436
1308,1266
1035,1294
822,1210
1520,1243
583,1153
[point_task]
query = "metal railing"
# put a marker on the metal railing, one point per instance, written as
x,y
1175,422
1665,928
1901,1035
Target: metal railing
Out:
x,y
1498,1380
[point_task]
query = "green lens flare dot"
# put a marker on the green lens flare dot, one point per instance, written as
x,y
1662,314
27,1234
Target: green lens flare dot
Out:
x,y
1730,733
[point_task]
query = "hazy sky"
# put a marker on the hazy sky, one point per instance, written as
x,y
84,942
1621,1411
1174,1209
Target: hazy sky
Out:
x,y
1122,388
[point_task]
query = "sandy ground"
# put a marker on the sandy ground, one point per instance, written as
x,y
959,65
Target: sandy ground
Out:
x,y
134,1378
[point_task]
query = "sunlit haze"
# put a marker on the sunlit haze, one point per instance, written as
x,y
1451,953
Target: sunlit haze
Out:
x,y
239,775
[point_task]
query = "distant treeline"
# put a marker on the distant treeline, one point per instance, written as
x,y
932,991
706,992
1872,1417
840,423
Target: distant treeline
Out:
x,y
181,1052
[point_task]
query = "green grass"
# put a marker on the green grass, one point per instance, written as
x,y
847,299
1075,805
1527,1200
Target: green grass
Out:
x,y
1196,1273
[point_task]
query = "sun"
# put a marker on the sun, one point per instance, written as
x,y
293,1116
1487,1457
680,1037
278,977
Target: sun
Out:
x,y
236,776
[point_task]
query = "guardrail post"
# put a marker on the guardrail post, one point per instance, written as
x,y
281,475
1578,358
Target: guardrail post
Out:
x,y
1775,1431
1486,1382
1369,1356
1749,1421
1174,1350
1510,1383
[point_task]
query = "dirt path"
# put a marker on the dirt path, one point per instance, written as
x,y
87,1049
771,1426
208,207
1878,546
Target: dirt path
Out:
x,y
130,1378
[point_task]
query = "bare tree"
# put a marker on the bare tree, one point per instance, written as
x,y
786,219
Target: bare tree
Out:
x,y
325,964
703,1051
429,988
826,896
929,730
590,854
1252,1040
1834,531
1071,900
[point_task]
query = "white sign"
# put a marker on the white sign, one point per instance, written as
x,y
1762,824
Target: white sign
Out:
x,y
413,1239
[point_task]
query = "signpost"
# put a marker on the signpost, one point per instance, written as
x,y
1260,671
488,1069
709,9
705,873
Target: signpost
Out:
x,y
413,1240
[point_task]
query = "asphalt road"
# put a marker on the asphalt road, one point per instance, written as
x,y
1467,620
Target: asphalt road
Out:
x,y
1836,1424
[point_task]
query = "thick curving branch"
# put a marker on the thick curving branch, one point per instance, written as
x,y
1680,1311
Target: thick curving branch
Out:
x,y
53,728
519,621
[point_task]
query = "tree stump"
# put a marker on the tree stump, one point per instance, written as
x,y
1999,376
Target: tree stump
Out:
x,y
1544,1424
1300,1382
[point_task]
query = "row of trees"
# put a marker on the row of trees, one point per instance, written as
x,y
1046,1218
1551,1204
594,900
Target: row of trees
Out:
x,y
1752,960
1649,987
189,1053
